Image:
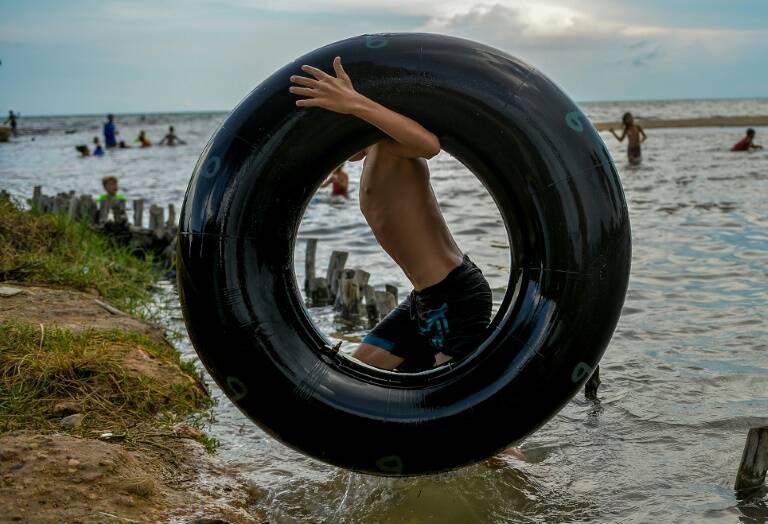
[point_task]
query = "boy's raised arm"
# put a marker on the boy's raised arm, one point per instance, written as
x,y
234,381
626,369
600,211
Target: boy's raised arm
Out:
x,y
409,138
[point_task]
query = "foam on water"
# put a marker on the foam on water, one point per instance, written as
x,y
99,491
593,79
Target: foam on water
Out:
x,y
684,377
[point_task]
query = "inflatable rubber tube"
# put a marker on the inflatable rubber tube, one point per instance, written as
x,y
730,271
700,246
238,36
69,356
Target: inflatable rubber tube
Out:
x,y
558,191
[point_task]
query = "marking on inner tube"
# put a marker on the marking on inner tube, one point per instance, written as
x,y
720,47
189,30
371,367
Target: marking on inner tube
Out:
x,y
390,464
237,388
211,167
581,370
573,121
375,41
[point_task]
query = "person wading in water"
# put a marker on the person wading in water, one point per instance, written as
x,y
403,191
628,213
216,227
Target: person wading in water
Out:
x,y
446,314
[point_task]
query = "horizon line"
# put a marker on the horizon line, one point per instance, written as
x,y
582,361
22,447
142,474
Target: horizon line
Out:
x,y
209,111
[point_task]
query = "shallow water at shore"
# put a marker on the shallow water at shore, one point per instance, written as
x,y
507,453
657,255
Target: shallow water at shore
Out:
x,y
685,376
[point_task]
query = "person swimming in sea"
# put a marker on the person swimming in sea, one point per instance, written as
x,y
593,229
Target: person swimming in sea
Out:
x,y
635,136
170,138
746,143
340,181
143,140
83,150
97,150
446,314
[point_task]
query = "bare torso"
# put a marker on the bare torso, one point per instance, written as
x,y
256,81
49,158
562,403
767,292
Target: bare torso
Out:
x,y
397,201
633,136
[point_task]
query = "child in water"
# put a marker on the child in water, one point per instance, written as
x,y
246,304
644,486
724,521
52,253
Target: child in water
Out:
x,y
97,150
634,133
142,139
446,314
170,138
110,186
340,181
746,143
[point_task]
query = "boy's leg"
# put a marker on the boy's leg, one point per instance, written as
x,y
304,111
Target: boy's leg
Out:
x,y
396,343
376,356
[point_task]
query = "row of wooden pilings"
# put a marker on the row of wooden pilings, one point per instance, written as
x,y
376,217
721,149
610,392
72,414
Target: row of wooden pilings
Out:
x,y
110,216
347,289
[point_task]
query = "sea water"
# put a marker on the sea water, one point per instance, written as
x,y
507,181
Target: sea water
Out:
x,y
685,375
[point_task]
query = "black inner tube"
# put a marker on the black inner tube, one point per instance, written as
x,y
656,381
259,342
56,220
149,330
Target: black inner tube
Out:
x,y
559,194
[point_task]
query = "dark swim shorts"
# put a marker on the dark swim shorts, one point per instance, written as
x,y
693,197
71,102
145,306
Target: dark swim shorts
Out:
x,y
449,317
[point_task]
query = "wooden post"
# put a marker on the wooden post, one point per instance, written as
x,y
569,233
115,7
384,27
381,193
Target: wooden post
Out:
x,y
37,193
171,216
385,302
393,290
335,266
118,211
754,461
86,208
590,388
138,212
361,279
371,307
61,202
309,263
74,204
155,217
318,292
103,211
348,295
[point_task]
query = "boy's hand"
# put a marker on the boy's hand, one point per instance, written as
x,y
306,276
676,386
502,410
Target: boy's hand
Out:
x,y
331,93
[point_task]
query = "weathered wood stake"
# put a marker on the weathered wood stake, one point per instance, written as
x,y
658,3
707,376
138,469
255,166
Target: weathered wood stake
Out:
x,y
335,266
590,388
348,296
309,263
138,212
754,461
371,308
74,203
385,302
171,222
86,208
318,292
155,217
37,193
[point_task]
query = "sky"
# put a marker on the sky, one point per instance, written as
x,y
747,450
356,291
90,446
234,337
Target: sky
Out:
x,y
98,56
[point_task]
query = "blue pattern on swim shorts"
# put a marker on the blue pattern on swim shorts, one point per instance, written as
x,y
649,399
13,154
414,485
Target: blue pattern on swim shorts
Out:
x,y
437,321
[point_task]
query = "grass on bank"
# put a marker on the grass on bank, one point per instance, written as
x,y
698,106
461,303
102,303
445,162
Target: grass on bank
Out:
x,y
40,369
51,249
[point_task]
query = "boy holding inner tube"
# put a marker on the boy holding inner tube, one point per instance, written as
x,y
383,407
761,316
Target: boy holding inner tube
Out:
x,y
446,314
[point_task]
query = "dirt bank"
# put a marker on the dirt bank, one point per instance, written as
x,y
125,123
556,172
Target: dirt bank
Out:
x,y
100,420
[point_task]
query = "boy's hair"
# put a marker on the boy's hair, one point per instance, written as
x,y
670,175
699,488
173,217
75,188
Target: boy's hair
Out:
x,y
107,179
750,132
625,118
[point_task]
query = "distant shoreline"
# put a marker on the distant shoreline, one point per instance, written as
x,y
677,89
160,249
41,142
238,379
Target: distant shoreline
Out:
x,y
225,111
712,121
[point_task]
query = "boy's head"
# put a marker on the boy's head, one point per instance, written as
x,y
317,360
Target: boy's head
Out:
x,y
95,140
110,117
170,129
110,185
751,133
627,119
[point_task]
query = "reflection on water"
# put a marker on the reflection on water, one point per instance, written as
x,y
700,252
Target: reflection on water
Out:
x,y
684,377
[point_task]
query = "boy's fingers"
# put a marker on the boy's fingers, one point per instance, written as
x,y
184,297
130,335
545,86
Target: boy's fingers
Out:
x,y
304,81
340,73
303,91
307,102
317,73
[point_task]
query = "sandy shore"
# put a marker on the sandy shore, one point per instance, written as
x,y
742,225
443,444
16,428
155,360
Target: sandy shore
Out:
x,y
712,121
